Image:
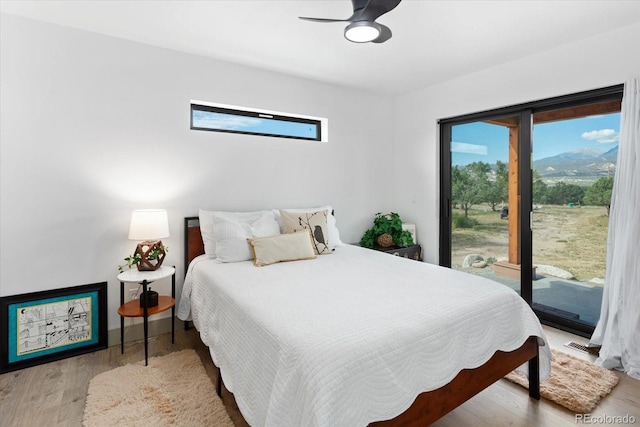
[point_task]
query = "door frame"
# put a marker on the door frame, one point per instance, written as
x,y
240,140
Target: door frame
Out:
x,y
525,112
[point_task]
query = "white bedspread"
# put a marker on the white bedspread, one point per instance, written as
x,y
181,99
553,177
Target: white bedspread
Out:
x,y
347,338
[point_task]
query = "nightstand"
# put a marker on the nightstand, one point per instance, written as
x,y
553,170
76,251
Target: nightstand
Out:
x,y
411,252
133,309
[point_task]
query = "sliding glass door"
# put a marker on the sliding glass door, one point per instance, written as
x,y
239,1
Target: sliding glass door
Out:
x,y
575,153
484,203
524,200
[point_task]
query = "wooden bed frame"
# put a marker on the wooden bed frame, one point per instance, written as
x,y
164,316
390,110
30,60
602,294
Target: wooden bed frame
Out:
x,y
431,405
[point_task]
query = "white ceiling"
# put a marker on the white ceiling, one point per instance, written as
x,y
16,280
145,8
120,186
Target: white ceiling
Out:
x,y
433,41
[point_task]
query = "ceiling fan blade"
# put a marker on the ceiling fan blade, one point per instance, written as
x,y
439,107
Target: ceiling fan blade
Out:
x,y
385,34
322,19
375,9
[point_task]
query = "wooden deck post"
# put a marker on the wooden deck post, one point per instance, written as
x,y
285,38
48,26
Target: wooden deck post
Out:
x,y
514,196
511,267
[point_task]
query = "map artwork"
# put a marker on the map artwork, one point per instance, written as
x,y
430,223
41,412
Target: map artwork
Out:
x,y
45,326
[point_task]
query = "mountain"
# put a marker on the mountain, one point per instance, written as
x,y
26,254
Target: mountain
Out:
x,y
611,155
582,165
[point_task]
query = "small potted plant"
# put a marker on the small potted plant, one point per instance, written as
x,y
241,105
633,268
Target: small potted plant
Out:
x,y
135,259
386,232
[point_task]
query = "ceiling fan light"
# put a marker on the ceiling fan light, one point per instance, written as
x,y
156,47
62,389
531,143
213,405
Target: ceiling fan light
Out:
x,y
362,31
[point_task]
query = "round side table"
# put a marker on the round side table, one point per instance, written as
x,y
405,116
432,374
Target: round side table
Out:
x,y
133,309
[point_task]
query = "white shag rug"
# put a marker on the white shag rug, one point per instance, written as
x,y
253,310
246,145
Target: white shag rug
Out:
x,y
174,390
574,383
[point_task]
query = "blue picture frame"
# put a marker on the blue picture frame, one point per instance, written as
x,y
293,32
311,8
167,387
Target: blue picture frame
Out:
x,y
51,325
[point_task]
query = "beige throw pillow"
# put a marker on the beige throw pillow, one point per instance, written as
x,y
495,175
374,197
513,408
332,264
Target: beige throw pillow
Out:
x,y
315,222
282,247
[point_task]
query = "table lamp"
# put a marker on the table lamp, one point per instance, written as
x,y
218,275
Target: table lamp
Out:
x,y
149,225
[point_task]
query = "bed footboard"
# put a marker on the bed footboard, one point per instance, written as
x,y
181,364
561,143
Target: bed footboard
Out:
x,y
433,405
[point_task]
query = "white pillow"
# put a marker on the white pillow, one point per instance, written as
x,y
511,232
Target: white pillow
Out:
x,y
232,233
332,229
208,232
234,227
283,247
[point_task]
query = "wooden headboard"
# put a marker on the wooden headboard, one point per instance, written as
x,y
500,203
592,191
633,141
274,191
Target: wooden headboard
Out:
x,y
193,245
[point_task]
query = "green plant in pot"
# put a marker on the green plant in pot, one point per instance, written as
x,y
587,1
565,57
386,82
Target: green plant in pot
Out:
x,y
386,231
136,258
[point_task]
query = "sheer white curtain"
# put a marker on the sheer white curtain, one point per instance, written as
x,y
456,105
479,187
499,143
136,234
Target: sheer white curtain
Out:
x,y
618,330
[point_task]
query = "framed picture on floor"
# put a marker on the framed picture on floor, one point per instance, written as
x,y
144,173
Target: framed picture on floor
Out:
x,y
41,327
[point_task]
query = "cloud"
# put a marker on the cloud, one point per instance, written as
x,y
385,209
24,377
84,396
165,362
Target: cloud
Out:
x,y
603,136
224,121
463,147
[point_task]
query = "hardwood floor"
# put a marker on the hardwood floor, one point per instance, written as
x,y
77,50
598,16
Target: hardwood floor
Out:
x,y
54,394
505,404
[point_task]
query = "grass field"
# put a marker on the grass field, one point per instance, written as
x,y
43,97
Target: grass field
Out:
x,y
573,239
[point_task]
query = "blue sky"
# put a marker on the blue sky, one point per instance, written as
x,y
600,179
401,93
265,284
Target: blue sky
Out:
x,y
220,121
480,141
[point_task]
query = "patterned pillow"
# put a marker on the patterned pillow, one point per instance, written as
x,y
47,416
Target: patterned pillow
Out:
x,y
315,222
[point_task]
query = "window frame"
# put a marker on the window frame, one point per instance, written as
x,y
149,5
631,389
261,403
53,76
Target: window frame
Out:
x,y
319,123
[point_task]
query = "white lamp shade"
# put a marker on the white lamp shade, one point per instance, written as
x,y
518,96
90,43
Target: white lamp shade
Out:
x,y
149,224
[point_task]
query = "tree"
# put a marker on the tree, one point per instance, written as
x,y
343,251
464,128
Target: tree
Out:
x,y
469,184
459,184
540,191
563,193
599,194
498,188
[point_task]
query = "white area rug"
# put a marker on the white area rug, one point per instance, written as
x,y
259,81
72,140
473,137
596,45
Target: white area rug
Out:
x,y
174,390
574,383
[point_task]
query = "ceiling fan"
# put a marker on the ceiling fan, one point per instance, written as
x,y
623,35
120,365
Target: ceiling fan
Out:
x,y
362,27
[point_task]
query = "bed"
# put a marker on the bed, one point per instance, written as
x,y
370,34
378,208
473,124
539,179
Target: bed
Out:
x,y
352,338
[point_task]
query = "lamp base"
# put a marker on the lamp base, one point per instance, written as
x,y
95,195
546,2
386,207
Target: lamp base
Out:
x,y
151,254
151,297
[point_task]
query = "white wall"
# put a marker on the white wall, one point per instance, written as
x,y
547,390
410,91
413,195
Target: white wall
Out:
x,y
601,61
94,127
